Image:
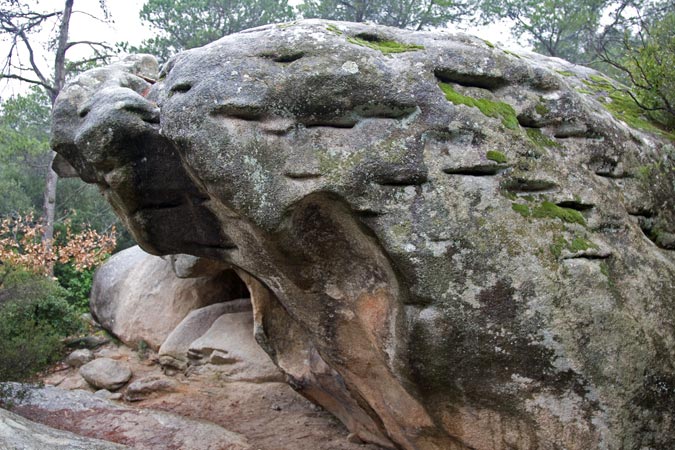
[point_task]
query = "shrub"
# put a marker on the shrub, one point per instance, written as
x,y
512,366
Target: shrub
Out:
x,y
77,284
34,318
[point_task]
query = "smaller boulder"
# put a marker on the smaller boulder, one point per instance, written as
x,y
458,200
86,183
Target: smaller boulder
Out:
x,y
78,358
106,373
107,352
107,395
145,387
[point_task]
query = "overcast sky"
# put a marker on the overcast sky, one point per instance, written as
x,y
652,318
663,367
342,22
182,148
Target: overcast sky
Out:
x,y
124,24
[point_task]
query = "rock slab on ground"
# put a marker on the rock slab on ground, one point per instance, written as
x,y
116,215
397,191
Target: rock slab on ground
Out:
x,y
229,343
447,245
145,387
18,433
137,428
174,351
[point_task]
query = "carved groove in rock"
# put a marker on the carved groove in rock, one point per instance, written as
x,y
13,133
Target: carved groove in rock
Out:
x,y
435,234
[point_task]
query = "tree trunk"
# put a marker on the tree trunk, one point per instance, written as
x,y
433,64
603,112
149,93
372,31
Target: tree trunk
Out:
x,y
49,202
49,199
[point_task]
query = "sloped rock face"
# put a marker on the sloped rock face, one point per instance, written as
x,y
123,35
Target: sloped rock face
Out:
x,y
19,433
447,245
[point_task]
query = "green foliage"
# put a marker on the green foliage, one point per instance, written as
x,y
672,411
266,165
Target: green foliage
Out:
x,y
77,285
34,317
490,108
184,24
651,69
384,46
552,27
142,350
494,155
556,28
417,15
619,101
24,151
24,157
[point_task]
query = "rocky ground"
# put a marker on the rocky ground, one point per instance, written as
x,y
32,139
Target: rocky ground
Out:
x,y
203,409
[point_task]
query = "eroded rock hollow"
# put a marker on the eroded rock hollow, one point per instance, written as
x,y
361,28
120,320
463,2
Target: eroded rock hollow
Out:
x,y
447,245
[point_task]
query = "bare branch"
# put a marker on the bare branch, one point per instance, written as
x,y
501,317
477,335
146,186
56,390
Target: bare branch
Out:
x,y
31,58
27,80
84,13
69,45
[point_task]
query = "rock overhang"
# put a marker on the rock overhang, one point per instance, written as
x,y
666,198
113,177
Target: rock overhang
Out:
x,y
462,216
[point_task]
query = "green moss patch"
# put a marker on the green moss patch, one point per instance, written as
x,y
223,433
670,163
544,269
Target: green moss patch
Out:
x,y
578,244
385,46
559,243
552,211
549,210
334,29
565,73
496,156
541,109
283,26
512,53
540,139
521,209
499,110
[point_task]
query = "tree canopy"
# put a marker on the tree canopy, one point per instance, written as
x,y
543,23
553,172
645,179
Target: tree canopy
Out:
x,y
184,24
413,14
558,28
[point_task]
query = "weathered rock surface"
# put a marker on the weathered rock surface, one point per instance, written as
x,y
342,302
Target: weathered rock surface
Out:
x,y
17,433
229,343
139,429
174,351
139,297
448,247
106,373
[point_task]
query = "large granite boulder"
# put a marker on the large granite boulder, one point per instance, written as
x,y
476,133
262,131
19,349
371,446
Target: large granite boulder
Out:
x,y
140,297
448,245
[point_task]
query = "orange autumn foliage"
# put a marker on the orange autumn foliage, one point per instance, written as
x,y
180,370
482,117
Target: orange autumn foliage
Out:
x,y
21,246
